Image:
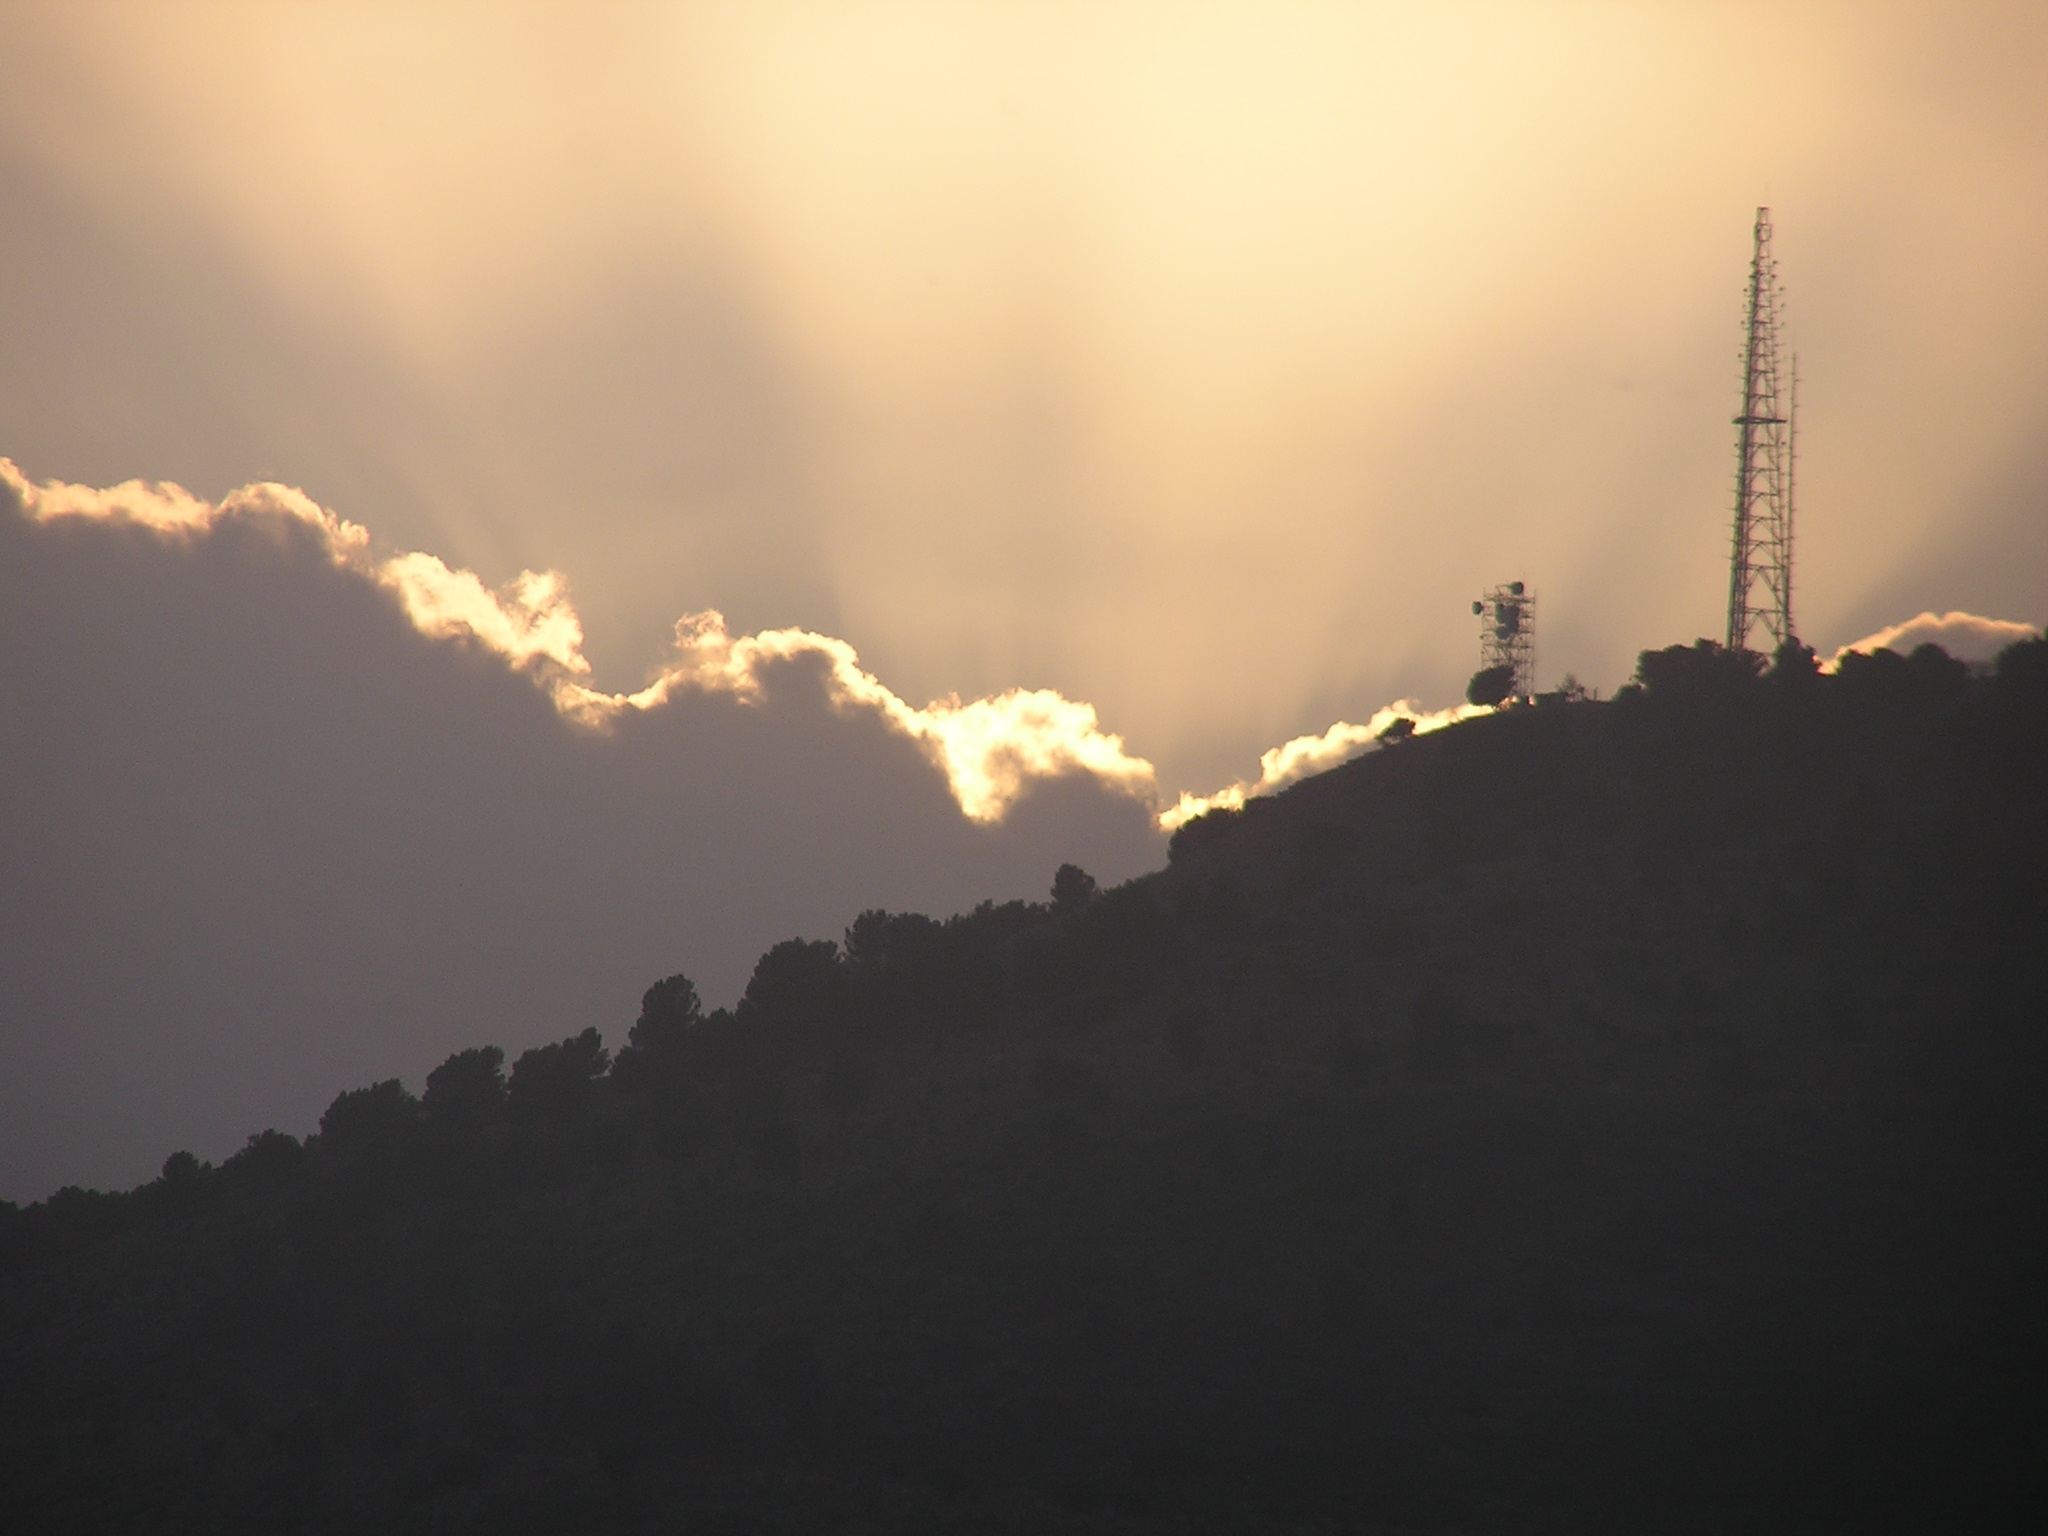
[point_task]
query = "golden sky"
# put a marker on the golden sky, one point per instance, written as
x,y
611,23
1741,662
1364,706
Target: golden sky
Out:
x,y
1200,362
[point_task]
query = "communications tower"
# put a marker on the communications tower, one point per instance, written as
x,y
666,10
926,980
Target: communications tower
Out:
x,y
1507,637
1760,570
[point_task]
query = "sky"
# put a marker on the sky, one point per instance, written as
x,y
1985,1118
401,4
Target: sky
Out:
x,y
1158,384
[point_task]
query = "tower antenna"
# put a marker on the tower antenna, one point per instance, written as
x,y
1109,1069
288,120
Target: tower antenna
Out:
x,y
1760,568
1507,639
1791,491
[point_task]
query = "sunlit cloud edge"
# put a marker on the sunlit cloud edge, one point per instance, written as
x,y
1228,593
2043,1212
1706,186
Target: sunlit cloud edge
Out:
x,y
991,750
1968,636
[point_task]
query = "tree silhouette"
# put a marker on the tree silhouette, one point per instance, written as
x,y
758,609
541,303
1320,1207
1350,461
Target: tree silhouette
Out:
x,y
1072,889
2022,671
368,1122
1937,675
1701,673
1794,665
877,940
667,1008
1491,686
654,1056
551,1083
467,1091
797,981
1570,691
1874,676
269,1157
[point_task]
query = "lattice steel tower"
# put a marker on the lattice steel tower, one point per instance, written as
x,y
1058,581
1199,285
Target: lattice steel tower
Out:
x,y
1760,571
1507,636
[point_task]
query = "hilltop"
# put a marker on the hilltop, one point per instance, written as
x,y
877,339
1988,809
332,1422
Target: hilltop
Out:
x,y
1598,1116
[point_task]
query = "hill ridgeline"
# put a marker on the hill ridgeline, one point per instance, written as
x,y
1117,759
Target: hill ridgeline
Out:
x,y
1596,1117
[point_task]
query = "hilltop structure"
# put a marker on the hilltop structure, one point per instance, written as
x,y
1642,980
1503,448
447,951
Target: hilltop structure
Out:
x,y
1507,643
1760,568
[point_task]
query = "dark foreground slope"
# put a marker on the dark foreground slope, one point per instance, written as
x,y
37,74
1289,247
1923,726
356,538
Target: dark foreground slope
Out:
x,y
1596,1118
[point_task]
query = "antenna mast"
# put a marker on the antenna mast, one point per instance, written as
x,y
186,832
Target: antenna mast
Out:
x,y
1507,637
1760,570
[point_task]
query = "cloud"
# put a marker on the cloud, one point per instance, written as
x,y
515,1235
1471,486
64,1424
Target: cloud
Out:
x,y
531,621
990,749
173,511
1309,755
1965,635
281,813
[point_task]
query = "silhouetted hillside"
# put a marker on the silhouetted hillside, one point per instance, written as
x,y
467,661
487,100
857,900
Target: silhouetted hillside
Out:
x,y
1596,1117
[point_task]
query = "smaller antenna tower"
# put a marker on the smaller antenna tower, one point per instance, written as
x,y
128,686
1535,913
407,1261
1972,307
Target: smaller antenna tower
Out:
x,y
1507,636
1760,568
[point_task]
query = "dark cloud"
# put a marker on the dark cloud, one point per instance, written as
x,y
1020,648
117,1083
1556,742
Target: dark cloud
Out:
x,y
263,840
